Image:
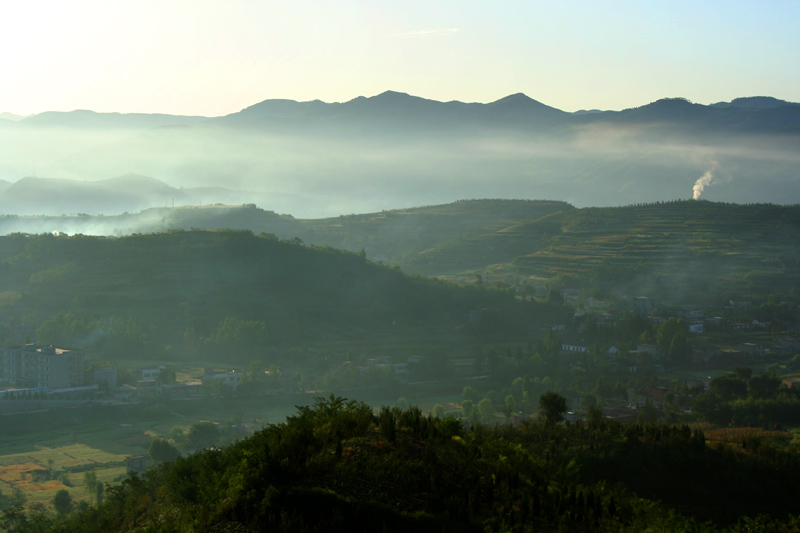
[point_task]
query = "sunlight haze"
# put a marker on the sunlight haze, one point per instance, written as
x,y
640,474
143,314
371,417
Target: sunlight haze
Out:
x,y
212,58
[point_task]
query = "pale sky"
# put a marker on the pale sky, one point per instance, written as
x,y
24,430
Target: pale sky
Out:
x,y
214,57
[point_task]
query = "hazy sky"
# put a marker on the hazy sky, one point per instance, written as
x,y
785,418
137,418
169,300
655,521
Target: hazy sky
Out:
x,y
213,57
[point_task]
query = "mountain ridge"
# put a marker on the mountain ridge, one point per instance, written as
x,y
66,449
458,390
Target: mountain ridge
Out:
x,y
288,108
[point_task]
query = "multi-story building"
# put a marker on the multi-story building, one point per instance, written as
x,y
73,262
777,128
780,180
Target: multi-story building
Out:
x,y
30,366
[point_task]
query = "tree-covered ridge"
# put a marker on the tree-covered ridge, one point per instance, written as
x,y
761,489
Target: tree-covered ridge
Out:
x,y
692,246
338,466
205,288
652,247
399,234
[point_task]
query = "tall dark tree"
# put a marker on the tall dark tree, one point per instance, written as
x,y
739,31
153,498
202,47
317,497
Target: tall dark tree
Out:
x,y
552,406
62,502
161,451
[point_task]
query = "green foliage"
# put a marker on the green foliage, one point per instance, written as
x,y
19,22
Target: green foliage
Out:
x,y
486,410
202,435
729,386
668,330
467,409
126,297
161,451
471,394
552,406
764,386
336,466
62,502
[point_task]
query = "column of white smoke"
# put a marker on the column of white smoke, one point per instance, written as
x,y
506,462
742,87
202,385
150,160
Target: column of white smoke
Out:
x,y
704,181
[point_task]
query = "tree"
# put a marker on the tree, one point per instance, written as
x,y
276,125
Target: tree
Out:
x,y
161,451
438,411
470,394
466,409
509,405
680,348
764,386
668,330
648,413
729,387
62,502
486,409
90,482
101,492
203,435
553,406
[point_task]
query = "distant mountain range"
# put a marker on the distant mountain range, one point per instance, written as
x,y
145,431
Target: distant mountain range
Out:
x,y
392,105
11,116
395,149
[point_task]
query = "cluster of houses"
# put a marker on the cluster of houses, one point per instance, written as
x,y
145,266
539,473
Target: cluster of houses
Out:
x,y
36,372
151,382
697,321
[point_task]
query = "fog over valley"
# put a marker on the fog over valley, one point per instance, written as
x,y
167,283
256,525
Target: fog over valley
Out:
x,y
315,159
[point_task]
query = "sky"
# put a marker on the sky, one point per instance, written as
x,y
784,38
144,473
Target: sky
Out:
x,y
214,57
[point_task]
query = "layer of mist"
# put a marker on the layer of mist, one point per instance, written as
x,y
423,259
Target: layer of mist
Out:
x,y
313,159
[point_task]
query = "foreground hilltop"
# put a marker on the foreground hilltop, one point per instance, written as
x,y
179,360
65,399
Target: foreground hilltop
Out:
x,y
338,466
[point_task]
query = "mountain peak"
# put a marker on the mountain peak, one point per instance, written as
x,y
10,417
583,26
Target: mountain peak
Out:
x,y
520,102
517,98
755,102
393,94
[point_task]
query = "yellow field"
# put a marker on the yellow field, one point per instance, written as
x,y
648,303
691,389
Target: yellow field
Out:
x,y
18,471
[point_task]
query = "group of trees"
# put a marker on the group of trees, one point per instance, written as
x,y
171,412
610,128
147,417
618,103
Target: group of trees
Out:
x,y
338,466
741,399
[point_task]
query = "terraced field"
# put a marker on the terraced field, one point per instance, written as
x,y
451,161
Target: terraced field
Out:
x,y
29,471
674,247
404,233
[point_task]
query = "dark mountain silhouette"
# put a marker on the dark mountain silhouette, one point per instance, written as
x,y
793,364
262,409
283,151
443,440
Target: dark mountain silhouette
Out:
x,y
519,104
755,102
687,118
391,109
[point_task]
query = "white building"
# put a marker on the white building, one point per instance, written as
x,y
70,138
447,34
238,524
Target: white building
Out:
x,y
30,366
230,379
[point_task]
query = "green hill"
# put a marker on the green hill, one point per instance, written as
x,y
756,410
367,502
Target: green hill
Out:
x,y
676,249
199,291
337,466
397,235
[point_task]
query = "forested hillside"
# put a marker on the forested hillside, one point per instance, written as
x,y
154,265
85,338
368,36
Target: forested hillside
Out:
x,y
201,291
337,466
671,250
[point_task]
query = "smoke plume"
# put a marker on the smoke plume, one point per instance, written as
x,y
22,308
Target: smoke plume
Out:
x,y
704,181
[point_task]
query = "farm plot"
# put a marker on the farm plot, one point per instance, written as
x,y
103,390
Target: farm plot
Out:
x,y
42,472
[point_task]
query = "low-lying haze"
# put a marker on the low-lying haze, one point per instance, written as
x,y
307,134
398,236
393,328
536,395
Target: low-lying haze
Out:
x,y
312,159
